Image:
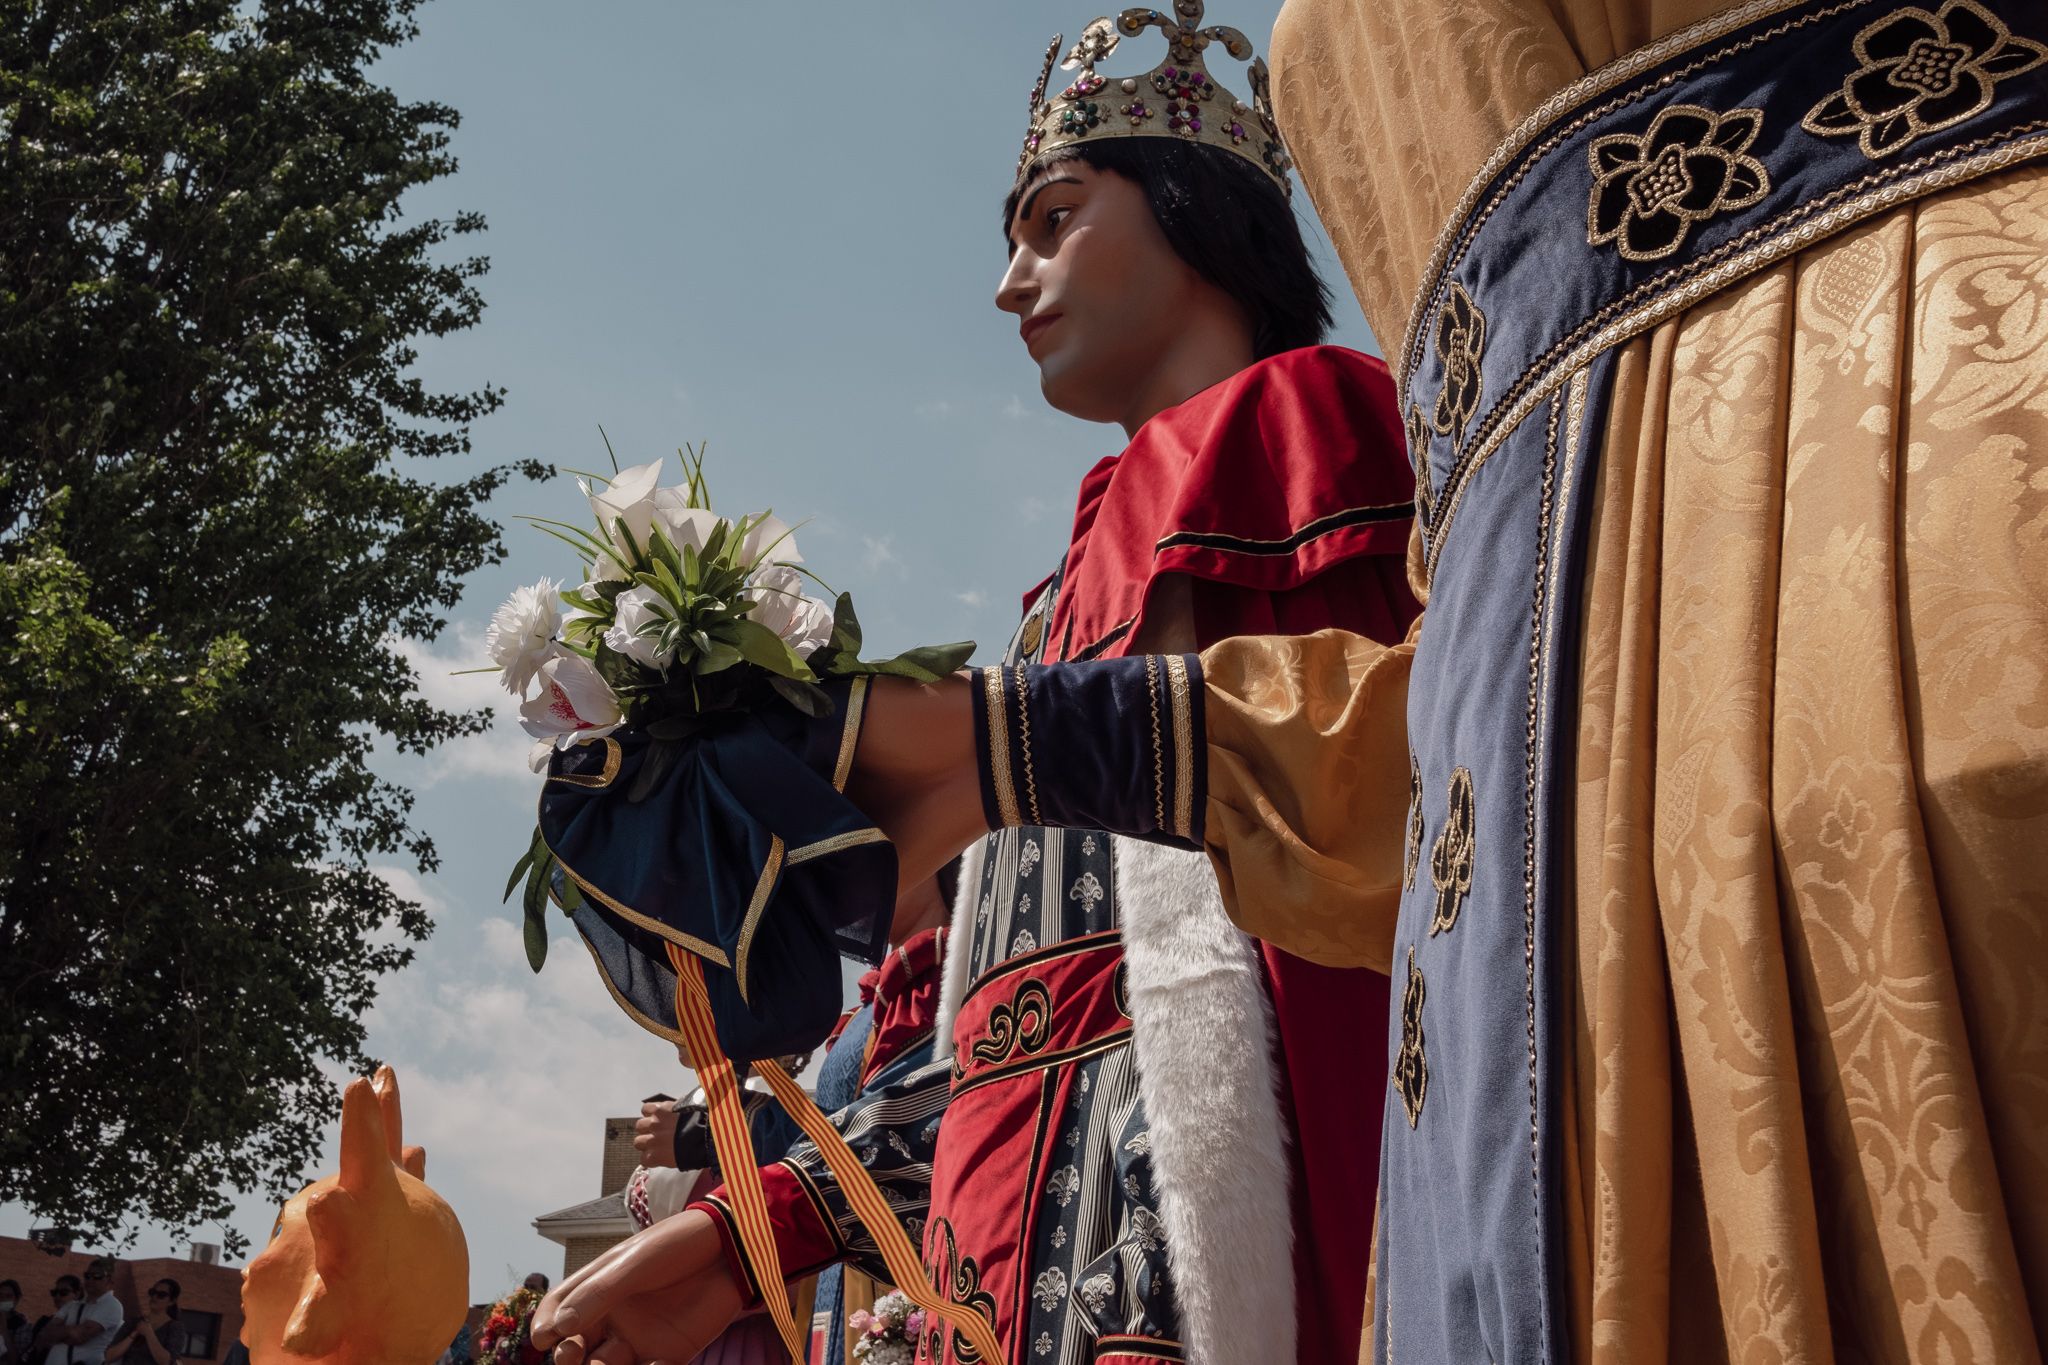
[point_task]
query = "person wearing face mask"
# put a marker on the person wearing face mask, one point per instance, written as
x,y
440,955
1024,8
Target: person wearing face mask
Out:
x,y
1128,1146
15,1332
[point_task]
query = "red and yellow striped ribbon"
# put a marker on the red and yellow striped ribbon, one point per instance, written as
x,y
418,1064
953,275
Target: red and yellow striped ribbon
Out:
x,y
733,1144
749,1205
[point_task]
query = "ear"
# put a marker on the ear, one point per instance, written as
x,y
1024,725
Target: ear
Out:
x,y
365,1154
414,1162
332,1216
315,1327
386,1086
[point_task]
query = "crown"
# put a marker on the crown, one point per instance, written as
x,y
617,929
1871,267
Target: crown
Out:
x,y
1177,99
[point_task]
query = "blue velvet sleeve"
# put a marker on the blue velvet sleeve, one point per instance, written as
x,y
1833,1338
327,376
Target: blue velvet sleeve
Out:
x,y
1113,744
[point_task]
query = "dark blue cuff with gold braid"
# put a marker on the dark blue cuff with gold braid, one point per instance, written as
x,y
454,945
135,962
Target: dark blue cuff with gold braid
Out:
x,y
1112,744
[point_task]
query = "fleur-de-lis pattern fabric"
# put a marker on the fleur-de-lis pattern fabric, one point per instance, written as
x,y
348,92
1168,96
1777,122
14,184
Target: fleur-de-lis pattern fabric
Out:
x,y
1809,1060
1918,72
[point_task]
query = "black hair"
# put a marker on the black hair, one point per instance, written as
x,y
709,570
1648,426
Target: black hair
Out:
x,y
1227,219
9,1284
175,1292
544,1280
71,1282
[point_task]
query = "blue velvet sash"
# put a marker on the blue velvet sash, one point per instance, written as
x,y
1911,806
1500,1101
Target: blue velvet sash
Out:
x,y
1673,173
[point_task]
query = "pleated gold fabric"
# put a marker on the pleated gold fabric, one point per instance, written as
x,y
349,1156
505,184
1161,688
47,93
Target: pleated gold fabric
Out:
x,y
1809,1022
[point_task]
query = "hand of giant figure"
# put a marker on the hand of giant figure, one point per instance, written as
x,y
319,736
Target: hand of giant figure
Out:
x,y
661,1295
367,1266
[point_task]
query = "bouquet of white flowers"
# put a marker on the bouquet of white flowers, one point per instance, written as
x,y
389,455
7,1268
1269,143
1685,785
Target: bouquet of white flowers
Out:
x,y
887,1336
684,617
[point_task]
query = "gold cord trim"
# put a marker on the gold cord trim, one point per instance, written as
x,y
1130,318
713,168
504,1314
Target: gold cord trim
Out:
x,y
999,747
824,848
711,952
635,1015
1024,747
613,757
1183,747
770,870
1158,749
849,737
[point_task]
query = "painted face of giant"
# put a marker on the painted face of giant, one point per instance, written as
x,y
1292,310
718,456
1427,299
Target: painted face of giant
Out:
x,y
1095,285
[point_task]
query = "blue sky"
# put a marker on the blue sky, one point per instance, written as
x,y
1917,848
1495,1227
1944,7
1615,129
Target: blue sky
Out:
x,y
772,228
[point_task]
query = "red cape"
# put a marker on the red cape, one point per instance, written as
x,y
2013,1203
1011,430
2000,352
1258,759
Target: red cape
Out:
x,y
1286,493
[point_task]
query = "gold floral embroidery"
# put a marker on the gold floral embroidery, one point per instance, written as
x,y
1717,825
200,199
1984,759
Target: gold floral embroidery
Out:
x,y
1414,825
1920,73
1418,457
1022,1025
1411,1069
1460,341
1691,164
1450,858
957,1279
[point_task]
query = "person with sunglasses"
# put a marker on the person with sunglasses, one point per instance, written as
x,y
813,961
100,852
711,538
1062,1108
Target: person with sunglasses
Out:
x,y
63,1294
86,1326
155,1338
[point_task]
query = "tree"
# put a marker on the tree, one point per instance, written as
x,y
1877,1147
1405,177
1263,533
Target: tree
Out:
x,y
214,525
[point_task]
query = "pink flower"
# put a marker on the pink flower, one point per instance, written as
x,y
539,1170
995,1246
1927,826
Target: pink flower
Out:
x,y
914,1324
858,1319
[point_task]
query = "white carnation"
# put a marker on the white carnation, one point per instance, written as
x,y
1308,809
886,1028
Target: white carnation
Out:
x,y
522,633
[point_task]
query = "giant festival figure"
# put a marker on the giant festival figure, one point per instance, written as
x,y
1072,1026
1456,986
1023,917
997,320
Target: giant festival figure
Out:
x,y
1700,817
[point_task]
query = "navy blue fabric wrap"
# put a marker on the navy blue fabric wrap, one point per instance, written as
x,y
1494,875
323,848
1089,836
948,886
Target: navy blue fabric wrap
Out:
x,y
1659,180
1110,744
737,847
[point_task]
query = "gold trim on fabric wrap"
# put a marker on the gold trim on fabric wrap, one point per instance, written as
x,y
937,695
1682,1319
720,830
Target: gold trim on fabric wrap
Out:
x,y
1024,748
1183,747
1158,743
999,747
1009,967
710,952
1551,371
849,735
1102,1042
1603,78
635,1015
770,870
613,757
875,1214
824,848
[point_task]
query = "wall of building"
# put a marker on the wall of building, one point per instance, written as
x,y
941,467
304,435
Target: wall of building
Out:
x,y
214,1289
581,1251
619,1155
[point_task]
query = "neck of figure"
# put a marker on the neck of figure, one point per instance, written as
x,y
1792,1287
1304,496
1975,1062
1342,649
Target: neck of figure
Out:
x,y
1211,346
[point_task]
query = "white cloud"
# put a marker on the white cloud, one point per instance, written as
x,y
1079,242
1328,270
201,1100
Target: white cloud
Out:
x,y
879,552
1014,409
496,755
973,597
934,410
1031,510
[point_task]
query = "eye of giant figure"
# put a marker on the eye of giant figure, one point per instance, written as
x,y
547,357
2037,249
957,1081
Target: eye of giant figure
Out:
x,y
1098,291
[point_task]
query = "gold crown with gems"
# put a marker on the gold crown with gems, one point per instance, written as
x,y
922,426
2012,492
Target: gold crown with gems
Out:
x,y
1177,99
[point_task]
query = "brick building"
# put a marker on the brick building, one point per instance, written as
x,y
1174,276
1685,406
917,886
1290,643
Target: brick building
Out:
x,y
210,1294
586,1230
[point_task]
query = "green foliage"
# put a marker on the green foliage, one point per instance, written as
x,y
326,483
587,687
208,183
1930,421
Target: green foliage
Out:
x,y
212,531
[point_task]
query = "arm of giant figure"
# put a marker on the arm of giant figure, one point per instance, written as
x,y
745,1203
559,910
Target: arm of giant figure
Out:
x,y
1284,757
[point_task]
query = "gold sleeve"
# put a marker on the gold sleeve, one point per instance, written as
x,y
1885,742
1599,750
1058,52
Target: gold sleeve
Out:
x,y
1308,790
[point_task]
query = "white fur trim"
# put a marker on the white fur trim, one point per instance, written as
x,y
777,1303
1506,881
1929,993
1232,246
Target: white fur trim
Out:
x,y
1202,1034
959,947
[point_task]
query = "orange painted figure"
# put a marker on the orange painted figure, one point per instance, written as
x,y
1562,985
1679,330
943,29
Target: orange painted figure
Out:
x,y
366,1267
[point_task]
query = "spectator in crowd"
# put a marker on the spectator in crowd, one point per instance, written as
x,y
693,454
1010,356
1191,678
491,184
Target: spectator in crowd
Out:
x,y
155,1338
64,1295
537,1282
87,1325
15,1331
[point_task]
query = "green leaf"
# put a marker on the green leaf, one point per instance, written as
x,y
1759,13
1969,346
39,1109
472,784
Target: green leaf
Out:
x,y
716,656
536,904
533,850
536,934
808,698
845,625
762,646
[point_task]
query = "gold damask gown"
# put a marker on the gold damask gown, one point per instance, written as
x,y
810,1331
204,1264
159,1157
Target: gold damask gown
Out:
x,y
1809,1109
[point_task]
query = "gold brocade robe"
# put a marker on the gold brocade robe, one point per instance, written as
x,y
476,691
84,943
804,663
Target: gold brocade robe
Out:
x,y
1808,1108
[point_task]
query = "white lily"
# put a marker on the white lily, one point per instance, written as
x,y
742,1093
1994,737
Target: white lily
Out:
x,y
803,622
769,540
633,609
628,498
686,527
574,704
521,636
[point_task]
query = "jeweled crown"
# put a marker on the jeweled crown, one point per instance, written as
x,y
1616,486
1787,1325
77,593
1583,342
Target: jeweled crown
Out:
x,y
1179,98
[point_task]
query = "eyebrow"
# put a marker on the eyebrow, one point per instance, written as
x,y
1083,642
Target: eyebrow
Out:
x,y
1023,213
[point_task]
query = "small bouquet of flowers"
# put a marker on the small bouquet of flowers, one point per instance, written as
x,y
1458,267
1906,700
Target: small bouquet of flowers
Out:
x,y
888,1335
684,619
508,1331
